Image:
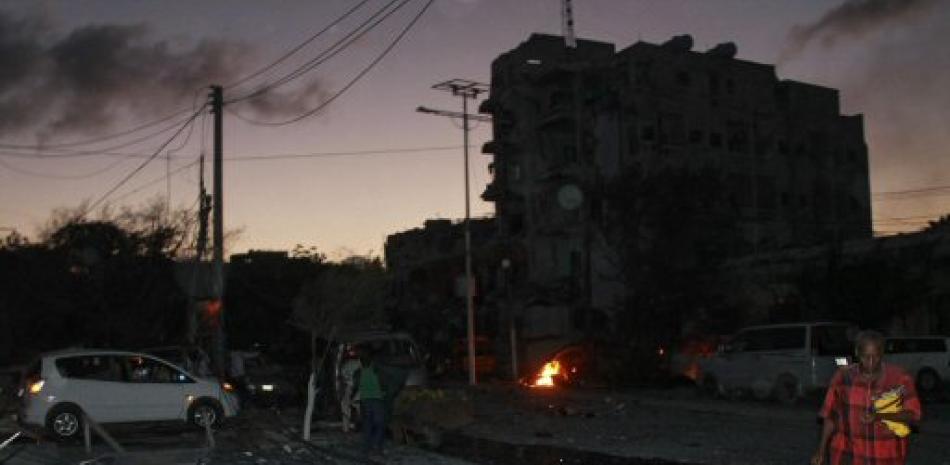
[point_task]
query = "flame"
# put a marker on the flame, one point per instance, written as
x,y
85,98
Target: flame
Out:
x,y
548,372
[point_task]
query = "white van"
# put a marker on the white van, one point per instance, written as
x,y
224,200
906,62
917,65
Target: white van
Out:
x,y
784,361
926,358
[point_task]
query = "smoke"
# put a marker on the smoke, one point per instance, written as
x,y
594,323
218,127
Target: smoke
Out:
x,y
854,19
293,102
90,79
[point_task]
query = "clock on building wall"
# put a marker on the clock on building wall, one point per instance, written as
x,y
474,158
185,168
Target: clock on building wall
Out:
x,y
570,197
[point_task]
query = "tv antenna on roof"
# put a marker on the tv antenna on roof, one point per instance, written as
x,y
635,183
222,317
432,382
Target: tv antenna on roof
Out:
x,y
567,23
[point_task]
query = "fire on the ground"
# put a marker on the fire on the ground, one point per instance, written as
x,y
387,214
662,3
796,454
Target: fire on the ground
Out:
x,y
587,363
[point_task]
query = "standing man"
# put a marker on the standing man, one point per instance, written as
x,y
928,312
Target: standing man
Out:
x,y
372,406
856,430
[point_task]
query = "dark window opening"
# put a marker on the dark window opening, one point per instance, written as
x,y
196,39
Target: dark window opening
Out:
x,y
648,133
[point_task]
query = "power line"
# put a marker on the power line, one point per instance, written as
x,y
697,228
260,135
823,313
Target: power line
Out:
x,y
143,164
37,174
290,156
327,54
62,153
266,157
157,180
296,49
96,139
912,191
353,81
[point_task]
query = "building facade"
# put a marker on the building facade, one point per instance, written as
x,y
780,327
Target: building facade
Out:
x,y
568,121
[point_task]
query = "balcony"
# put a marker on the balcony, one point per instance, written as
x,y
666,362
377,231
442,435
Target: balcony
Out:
x,y
487,106
492,193
499,147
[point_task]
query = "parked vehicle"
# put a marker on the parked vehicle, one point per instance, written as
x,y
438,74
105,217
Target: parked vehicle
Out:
x,y
268,384
117,387
396,349
783,361
926,358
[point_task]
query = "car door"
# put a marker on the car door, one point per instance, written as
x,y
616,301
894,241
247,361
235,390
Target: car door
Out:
x,y
157,387
732,367
782,351
95,383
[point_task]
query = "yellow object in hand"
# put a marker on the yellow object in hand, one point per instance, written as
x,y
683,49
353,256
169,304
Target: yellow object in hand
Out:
x,y
890,402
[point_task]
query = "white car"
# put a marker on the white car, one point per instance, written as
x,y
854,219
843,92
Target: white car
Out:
x,y
116,387
926,358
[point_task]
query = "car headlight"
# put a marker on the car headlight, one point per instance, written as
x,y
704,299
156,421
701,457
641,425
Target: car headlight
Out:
x,y
267,387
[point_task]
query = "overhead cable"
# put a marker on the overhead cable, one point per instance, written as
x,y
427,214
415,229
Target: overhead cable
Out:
x,y
334,49
145,163
353,81
96,140
296,49
37,174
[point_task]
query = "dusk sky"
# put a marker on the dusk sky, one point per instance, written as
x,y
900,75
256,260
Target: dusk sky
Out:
x,y
73,70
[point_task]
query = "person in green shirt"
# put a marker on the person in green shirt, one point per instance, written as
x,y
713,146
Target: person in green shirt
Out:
x,y
372,405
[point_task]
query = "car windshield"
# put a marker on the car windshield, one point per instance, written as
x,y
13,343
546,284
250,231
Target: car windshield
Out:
x,y
395,351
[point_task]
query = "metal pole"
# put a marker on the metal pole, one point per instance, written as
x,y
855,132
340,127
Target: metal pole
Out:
x,y
217,102
469,298
465,89
512,329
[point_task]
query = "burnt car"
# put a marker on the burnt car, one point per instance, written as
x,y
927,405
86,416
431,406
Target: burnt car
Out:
x,y
599,363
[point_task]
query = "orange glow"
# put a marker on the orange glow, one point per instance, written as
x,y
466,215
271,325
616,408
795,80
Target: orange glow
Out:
x,y
548,372
36,387
213,307
228,387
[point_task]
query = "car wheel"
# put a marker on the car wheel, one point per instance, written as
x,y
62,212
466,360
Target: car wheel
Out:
x,y
928,383
204,413
64,422
786,389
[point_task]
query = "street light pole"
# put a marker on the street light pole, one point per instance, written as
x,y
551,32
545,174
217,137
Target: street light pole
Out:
x,y
467,90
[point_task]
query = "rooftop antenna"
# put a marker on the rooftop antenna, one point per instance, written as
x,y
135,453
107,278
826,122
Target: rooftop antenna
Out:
x,y
567,24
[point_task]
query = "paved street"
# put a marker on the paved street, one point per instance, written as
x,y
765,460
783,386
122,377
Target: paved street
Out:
x,y
514,426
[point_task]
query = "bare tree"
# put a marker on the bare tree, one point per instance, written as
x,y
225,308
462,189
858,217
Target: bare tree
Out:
x,y
342,297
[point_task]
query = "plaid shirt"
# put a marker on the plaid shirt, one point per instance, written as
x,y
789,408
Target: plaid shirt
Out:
x,y
849,397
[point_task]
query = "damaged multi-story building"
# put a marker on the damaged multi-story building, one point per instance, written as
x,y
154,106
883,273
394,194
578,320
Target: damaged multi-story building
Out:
x,y
569,120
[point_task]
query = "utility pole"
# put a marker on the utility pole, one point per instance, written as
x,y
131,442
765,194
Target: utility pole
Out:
x,y
467,90
204,211
220,352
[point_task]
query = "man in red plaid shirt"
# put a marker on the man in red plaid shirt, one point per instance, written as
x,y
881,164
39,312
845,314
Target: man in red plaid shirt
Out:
x,y
854,432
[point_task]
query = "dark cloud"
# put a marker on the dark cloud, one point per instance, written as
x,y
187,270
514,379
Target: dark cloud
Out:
x,y
854,19
97,77
293,103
